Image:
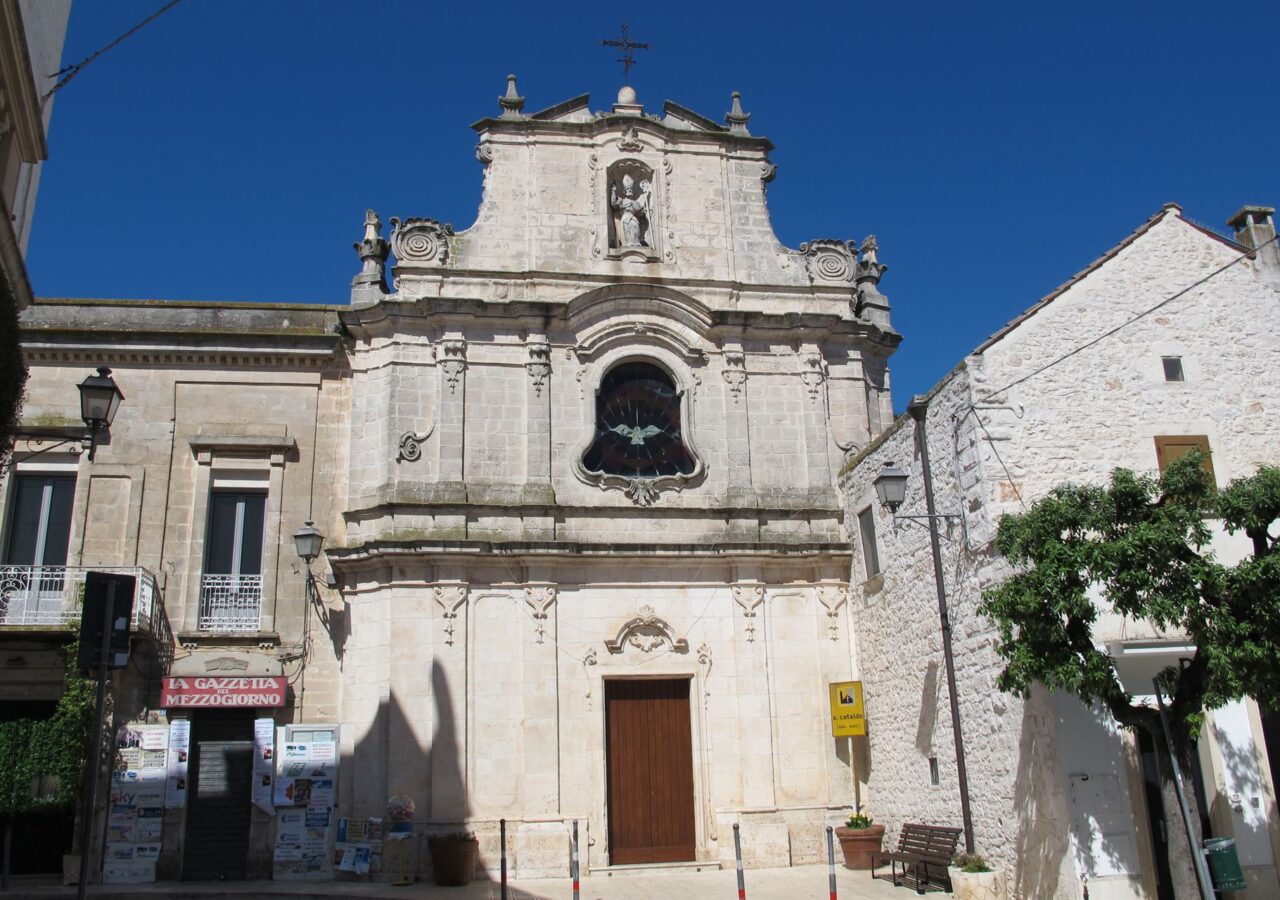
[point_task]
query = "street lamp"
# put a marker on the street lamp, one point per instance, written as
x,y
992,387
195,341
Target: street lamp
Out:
x,y
308,540
100,397
891,490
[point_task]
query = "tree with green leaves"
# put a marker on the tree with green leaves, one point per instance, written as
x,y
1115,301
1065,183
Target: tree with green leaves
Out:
x,y
1141,547
42,762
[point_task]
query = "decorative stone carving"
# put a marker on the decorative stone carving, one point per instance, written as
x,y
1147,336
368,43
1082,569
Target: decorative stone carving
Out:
x,y
450,597
631,199
646,633
704,660
768,172
372,250
538,364
484,153
736,118
814,372
511,102
588,660
641,491
829,260
870,269
630,142
420,242
735,373
593,163
226,664
451,356
411,445
539,599
833,597
749,597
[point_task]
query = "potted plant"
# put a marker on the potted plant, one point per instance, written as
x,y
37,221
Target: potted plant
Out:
x,y
453,857
973,879
859,838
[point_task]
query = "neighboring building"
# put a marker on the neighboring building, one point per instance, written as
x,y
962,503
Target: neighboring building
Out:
x,y
585,553
1060,795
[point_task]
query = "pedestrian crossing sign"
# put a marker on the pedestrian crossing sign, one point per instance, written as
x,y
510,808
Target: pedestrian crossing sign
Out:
x,y
848,719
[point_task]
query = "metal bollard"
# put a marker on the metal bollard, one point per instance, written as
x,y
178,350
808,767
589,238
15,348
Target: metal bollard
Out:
x,y
737,852
831,862
575,859
502,828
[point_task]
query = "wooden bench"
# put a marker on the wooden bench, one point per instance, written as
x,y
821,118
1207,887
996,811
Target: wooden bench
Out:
x,y
924,852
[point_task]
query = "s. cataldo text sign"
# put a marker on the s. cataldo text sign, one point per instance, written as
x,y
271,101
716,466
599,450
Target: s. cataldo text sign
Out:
x,y
211,691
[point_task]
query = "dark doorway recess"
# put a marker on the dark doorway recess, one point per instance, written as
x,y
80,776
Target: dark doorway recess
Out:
x,y
218,796
650,759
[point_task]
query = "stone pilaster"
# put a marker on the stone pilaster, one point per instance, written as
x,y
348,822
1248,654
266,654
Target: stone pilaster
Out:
x,y
451,363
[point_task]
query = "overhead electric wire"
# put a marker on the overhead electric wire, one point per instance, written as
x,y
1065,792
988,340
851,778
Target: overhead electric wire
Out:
x,y
66,73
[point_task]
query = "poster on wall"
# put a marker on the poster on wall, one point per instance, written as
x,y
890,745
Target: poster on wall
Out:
x,y
264,765
304,793
135,810
176,767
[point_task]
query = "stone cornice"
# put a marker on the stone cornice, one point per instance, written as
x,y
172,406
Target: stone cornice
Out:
x,y
605,123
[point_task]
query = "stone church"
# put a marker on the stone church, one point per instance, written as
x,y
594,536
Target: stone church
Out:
x,y
576,468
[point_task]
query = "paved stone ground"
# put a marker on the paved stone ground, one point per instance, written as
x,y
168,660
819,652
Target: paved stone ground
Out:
x,y
796,883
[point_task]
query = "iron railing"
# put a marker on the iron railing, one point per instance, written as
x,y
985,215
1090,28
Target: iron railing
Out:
x,y
52,596
230,603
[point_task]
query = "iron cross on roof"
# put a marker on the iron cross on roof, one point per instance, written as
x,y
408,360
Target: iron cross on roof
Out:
x,y
628,58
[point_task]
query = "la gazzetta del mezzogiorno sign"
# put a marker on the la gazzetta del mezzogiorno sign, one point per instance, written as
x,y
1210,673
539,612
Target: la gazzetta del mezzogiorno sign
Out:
x,y
220,691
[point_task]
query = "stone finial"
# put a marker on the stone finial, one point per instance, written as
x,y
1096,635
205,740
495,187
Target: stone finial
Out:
x,y
511,102
372,250
870,269
736,118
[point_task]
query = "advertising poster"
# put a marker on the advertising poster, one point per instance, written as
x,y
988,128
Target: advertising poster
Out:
x,y
135,811
176,768
304,795
358,845
264,764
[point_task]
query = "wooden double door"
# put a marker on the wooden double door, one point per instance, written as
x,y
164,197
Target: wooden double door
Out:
x,y
650,762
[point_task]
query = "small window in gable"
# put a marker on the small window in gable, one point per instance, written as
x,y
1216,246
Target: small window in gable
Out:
x,y
1173,368
867,528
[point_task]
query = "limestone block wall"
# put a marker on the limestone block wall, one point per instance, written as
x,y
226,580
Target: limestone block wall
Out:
x,y
480,691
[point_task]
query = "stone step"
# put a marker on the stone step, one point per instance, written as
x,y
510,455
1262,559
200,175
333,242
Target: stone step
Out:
x,y
672,868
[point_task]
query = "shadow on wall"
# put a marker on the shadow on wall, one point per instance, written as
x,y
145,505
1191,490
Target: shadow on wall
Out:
x,y
1244,789
1041,845
389,760
928,711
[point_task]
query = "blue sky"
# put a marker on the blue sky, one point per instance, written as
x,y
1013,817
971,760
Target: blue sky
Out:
x,y
229,150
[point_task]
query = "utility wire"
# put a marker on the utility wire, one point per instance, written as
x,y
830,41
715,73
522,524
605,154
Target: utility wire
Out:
x,y
67,73
1146,312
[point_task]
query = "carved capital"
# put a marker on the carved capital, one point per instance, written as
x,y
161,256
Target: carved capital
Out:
x,y
749,597
735,373
832,597
451,356
449,598
538,364
539,598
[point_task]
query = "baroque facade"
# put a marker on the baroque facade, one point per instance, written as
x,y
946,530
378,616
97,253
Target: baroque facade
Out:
x,y
1061,797
576,467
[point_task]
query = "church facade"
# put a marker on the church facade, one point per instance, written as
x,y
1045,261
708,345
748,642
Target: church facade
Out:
x,y
576,468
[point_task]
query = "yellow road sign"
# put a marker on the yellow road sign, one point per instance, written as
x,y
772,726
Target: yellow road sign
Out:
x,y
848,718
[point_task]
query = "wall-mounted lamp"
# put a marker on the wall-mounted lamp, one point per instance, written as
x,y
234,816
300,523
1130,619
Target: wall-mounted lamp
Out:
x,y
100,397
309,541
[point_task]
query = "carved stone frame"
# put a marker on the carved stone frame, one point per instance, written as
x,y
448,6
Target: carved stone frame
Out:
x,y
641,491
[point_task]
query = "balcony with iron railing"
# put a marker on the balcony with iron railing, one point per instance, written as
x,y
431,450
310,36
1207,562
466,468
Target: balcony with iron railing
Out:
x,y
51,597
230,603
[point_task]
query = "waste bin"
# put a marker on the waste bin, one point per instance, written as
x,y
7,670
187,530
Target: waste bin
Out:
x,y
1224,864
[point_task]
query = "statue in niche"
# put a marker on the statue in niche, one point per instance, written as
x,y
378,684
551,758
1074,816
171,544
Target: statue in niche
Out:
x,y
631,198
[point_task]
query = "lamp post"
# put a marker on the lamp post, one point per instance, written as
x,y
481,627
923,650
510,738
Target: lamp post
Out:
x,y
100,397
891,490
308,540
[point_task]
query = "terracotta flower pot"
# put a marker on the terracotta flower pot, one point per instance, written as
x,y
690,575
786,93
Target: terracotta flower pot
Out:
x,y
857,844
453,860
